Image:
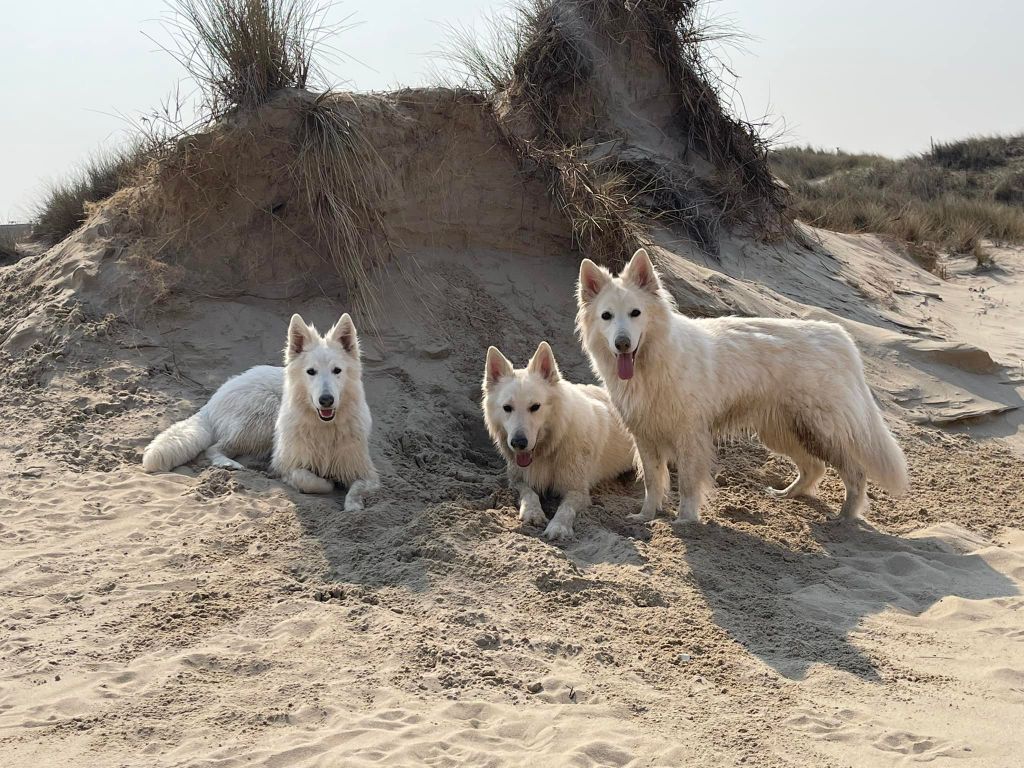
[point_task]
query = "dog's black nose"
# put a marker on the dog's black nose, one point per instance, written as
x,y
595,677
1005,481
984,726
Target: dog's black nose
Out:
x,y
326,401
622,343
518,441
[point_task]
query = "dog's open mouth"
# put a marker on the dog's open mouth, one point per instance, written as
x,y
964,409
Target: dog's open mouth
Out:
x,y
524,458
325,414
625,364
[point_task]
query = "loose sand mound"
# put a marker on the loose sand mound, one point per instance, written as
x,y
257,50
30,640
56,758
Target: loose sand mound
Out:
x,y
204,617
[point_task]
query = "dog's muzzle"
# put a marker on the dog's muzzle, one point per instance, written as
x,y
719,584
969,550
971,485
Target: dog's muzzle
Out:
x,y
625,356
518,443
326,409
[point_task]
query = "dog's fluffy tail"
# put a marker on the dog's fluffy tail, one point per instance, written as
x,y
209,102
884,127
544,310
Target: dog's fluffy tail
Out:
x,y
882,456
178,444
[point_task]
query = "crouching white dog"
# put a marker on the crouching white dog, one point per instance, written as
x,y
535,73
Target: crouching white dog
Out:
x,y
678,382
311,416
555,436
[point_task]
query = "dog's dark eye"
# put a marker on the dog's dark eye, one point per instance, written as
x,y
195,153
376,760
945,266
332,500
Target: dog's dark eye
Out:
x,y
311,371
635,313
606,315
535,407
508,409
336,371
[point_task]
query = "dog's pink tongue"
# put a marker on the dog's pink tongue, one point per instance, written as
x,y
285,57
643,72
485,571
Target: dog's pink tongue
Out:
x,y
524,458
625,365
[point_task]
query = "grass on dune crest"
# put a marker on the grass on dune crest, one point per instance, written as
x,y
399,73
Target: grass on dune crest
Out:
x,y
950,198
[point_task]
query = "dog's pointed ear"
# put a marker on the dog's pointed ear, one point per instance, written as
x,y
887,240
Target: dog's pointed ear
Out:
x,y
641,272
344,333
593,279
497,368
543,362
300,338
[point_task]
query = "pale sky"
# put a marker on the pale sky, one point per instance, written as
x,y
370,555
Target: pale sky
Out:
x,y
865,76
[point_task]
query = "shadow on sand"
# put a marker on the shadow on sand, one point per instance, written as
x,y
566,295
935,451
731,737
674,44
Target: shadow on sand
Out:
x,y
794,609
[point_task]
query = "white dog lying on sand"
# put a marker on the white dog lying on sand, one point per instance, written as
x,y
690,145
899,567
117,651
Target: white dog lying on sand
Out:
x,y
555,436
311,416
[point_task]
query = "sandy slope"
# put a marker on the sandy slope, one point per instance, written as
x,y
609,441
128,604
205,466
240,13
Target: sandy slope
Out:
x,y
209,618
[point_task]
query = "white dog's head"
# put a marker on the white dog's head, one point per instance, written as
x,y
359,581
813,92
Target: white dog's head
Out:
x,y
317,367
519,403
616,313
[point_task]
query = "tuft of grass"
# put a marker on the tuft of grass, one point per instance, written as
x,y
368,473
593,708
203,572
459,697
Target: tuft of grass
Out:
x,y
64,205
1010,187
484,62
343,180
979,153
535,67
682,35
242,51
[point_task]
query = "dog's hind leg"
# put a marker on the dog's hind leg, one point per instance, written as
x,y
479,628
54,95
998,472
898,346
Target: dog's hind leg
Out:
x,y
856,502
852,474
810,469
656,481
215,453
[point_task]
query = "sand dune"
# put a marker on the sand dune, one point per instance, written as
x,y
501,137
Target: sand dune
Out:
x,y
209,618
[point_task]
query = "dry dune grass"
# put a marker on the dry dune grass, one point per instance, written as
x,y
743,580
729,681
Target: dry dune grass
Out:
x,y
65,204
538,62
948,199
241,53
342,180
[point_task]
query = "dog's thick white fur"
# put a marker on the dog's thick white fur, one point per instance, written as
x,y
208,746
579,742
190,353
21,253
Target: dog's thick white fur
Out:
x,y
679,382
555,436
311,416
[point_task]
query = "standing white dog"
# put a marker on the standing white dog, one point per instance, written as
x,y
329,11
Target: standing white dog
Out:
x,y
678,382
555,436
311,415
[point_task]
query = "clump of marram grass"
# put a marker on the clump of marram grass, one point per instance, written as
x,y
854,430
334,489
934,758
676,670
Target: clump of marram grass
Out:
x,y
680,33
979,153
1010,187
241,52
530,57
538,62
485,62
64,206
342,180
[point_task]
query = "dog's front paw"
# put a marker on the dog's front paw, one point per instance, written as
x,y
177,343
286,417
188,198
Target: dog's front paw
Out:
x,y
645,515
353,505
531,515
688,512
558,531
225,463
